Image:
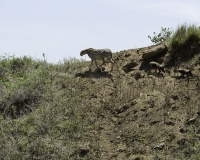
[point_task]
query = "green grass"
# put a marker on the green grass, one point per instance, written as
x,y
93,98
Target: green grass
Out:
x,y
185,41
39,115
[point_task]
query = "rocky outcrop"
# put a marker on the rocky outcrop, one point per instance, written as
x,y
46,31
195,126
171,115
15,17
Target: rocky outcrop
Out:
x,y
129,66
151,52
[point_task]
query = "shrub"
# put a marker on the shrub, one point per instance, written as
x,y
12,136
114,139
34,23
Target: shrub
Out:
x,y
185,41
161,37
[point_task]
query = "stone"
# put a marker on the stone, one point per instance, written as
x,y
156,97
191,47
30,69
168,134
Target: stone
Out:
x,y
160,146
152,52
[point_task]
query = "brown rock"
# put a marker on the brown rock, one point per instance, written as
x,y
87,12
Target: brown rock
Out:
x,y
149,53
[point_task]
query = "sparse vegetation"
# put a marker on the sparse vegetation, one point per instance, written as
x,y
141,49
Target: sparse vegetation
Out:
x,y
64,111
183,44
161,37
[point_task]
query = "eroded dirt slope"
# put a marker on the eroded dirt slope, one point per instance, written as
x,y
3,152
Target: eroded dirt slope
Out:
x,y
138,113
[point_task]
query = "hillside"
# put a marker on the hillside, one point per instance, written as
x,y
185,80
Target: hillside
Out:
x,y
140,114
65,111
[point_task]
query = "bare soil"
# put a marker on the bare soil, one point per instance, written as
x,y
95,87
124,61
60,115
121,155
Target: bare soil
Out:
x,y
138,113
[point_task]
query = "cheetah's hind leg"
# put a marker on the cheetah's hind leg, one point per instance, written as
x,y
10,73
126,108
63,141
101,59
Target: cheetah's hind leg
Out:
x,y
102,63
112,66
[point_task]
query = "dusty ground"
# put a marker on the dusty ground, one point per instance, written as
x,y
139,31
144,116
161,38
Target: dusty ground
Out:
x,y
138,113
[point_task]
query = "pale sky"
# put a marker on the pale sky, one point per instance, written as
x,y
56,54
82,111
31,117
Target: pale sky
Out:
x,y
62,28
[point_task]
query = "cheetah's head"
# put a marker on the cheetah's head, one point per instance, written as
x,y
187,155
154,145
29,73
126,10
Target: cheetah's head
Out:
x,y
83,52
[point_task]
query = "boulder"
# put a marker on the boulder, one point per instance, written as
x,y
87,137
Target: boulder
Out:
x,y
151,52
129,66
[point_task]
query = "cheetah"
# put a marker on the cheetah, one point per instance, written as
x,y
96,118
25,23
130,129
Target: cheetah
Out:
x,y
158,66
98,54
184,72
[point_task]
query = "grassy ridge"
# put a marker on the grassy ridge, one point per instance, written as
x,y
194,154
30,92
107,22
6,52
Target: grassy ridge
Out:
x,y
38,110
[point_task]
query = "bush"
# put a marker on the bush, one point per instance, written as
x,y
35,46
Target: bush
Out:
x,y
185,41
161,37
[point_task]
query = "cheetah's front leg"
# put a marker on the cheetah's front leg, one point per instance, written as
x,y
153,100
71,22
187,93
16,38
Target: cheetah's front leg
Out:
x,y
103,62
96,64
90,65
